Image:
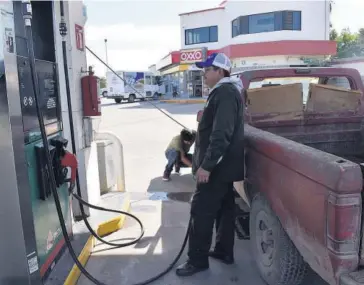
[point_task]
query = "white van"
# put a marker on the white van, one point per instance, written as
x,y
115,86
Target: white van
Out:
x,y
136,85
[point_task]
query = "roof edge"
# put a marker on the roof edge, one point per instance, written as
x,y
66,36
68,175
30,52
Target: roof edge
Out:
x,y
201,11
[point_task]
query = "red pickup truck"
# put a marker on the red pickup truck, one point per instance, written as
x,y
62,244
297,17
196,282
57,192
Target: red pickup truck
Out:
x,y
304,139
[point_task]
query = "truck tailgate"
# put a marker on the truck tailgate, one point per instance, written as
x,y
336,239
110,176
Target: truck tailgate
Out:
x,y
316,195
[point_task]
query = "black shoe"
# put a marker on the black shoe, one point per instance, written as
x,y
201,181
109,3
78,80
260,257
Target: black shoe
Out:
x,y
166,176
187,269
227,259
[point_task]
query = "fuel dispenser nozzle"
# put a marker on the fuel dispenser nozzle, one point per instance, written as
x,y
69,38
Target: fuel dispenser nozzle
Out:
x,y
63,161
69,160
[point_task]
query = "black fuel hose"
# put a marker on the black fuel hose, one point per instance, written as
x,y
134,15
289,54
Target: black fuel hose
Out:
x,y
30,47
158,276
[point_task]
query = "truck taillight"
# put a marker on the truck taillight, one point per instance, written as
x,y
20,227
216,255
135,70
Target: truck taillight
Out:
x,y
343,223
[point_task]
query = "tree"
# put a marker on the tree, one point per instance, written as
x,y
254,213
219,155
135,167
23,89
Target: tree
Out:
x,y
361,32
102,82
348,44
333,35
347,38
361,37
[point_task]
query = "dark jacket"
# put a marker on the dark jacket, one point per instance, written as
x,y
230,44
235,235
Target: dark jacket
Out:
x,y
219,145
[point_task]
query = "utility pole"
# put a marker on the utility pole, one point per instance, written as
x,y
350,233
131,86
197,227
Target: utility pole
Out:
x,y
107,61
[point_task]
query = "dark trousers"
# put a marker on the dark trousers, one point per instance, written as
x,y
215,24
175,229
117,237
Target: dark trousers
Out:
x,y
212,201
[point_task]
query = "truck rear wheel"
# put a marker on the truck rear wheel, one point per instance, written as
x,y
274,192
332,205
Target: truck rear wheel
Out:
x,y
131,98
277,258
118,100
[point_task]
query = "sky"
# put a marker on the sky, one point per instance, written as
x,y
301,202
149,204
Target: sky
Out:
x,y
141,32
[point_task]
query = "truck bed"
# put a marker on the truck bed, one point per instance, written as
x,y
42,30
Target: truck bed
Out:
x,y
305,160
344,139
329,121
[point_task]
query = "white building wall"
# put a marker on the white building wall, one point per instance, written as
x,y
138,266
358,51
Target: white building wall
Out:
x,y
315,20
265,60
152,69
269,60
203,19
164,62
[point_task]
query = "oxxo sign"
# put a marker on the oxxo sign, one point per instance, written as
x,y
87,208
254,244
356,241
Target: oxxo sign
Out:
x,y
192,55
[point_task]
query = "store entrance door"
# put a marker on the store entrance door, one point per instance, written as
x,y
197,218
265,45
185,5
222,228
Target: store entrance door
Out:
x,y
195,83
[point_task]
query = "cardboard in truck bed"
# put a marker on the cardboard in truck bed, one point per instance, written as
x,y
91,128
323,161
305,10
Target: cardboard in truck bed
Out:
x,y
279,102
328,98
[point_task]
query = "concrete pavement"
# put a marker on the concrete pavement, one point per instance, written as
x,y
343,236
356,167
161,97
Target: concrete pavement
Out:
x,y
145,133
162,207
165,223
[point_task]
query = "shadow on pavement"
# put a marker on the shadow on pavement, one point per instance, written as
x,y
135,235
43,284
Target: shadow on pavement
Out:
x,y
178,183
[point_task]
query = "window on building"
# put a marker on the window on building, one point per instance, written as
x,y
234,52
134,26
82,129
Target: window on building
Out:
x,y
267,22
261,23
201,35
235,28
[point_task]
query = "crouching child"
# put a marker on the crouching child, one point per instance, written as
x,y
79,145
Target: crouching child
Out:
x,y
177,153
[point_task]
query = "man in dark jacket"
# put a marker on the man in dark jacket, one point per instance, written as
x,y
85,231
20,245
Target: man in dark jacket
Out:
x,y
218,161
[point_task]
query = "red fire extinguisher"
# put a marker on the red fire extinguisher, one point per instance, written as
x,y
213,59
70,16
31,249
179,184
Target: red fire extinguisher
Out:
x,y
90,86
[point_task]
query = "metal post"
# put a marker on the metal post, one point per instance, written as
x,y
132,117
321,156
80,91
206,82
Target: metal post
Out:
x,y
107,61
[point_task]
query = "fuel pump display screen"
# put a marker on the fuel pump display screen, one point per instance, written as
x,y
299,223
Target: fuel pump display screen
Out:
x,y
48,93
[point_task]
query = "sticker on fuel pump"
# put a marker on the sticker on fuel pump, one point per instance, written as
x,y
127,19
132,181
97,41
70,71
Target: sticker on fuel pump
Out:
x,y
9,40
33,264
50,240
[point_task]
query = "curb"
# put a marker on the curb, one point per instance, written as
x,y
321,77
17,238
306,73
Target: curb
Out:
x,y
103,229
185,101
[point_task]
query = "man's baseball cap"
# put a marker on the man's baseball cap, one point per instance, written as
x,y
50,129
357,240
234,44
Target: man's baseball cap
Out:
x,y
216,59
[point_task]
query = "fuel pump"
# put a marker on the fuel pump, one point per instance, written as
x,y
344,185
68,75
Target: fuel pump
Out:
x,y
50,241
25,158
38,173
